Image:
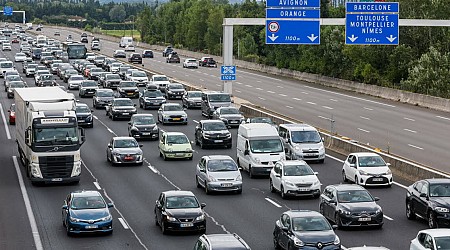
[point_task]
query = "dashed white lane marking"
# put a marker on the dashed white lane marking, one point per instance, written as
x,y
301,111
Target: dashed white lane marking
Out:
x,y
333,100
289,107
363,130
442,117
112,132
97,185
8,134
270,91
201,80
186,75
281,87
365,118
259,89
312,103
366,108
304,92
409,119
261,98
387,217
237,91
26,200
414,146
124,224
409,130
239,83
258,81
273,202
218,85
282,95
326,107
152,169
297,99
323,117
248,85
195,121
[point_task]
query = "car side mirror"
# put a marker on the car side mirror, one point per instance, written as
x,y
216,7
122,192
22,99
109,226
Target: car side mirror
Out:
x,y
334,226
92,111
316,173
64,207
83,135
423,195
203,205
323,139
284,228
376,198
129,123
134,104
141,145
109,146
27,136
158,204
277,175
246,152
288,140
110,205
352,165
388,164
202,170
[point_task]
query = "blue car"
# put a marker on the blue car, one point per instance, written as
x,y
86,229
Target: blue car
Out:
x,y
86,212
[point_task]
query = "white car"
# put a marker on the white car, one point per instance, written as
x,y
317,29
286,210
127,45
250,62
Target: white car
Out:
x,y
367,169
6,46
75,81
139,77
114,68
129,47
162,81
6,66
90,57
435,239
294,178
190,63
20,57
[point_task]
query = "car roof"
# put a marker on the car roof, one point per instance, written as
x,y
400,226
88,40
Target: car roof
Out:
x,y
118,99
211,121
225,241
194,91
346,187
136,115
298,213
178,193
298,127
174,133
293,162
123,138
359,154
81,104
159,75
218,157
438,180
437,232
105,90
172,104
85,193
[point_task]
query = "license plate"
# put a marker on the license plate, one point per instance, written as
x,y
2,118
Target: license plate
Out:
x,y
186,224
179,154
57,179
128,158
91,226
177,96
80,120
226,184
129,93
303,189
310,154
268,169
377,179
364,219
125,113
233,122
176,119
145,133
218,140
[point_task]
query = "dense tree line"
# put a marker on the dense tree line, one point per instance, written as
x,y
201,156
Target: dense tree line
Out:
x,y
419,64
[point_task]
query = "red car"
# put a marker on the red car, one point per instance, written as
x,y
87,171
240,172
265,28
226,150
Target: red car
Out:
x,y
15,40
12,114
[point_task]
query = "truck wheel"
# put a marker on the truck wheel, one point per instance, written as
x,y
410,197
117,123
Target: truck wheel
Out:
x,y
250,172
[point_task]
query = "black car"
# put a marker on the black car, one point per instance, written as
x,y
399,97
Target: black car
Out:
x,y
179,211
151,98
167,51
36,53
192,99
120,54
173,58
121,108
221,241
429,199
212,133
128,89
84,39
84,115
304,229
174,90
143,126
350,205
135,58
147,54
102,98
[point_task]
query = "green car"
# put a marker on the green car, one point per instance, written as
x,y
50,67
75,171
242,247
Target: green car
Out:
x,y
175,145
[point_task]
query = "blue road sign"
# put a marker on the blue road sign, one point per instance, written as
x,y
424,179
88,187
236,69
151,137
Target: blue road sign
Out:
x,y
292,32
7,11
373,27
293,3
228,70
292,13
228,77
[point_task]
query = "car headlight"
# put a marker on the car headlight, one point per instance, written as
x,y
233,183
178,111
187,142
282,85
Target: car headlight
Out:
x,y
288,183
257,160
344,212
89,118
184,116
238,178
116,154
298,242
170,149
170,218
228,135
378,210
200,218
210,178
106,218
362,172
72,219
388,172
337,241
296,148
188,150
316,183
155,128
442,209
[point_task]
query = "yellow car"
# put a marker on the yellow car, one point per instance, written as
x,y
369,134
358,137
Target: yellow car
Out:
x,y
175,145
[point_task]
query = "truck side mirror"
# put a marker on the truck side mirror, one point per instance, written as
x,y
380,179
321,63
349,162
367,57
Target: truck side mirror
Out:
x,y
82,136
27,136
246,152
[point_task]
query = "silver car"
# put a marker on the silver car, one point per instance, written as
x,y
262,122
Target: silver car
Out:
x,y
231,116
124,150
218,173
172,113
75,81
87,88
192,99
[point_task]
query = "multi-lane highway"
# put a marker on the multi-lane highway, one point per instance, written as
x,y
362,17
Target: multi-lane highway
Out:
x,y
134,189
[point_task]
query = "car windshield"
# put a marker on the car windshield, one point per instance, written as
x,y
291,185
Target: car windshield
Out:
x,y
191,61
221,165
105,93
13,78
371,161
139,74
6,65
177,139
297,170
229,111
219,98
123,103
153,94
116,64
71,72
214,126
76,78
92,202
160,78
126,143
17,85
127,84
173,108
83,109
89,84
100,58
31,66
124,68
442,243
266,146
143,120
176,86
20,54
195,94
96,70
354,196
112,77
181,202
440,190
310,223
305,137
46,77
261,120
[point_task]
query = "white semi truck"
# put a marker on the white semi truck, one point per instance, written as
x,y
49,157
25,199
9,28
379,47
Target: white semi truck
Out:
x,y
47,135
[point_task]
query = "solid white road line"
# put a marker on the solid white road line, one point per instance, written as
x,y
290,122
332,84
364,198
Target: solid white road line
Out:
x,y
409,130
387,217
365,118
8,135
26,199
414,146
326,107
95,117
366,108
400,185
112,132
153,169
363,130
442,117
195,121
323,117
273,202
124,224
268,77
97,185
409,119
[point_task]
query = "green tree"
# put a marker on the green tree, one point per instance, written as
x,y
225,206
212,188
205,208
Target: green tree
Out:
x,y
117,13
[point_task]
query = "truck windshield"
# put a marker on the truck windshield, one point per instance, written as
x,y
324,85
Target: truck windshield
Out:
x,y
219,98
55,136
305,137
266,146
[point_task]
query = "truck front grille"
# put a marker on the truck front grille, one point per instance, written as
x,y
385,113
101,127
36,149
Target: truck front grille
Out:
x,y
56,166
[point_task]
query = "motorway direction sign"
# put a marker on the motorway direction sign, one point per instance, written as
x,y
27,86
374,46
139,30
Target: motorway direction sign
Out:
x,y
7,10
228,73
292,31
292,13
293,3
371,23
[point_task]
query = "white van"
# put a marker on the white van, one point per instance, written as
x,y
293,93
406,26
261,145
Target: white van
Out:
x,y
258,148
126,40
6,66
302,142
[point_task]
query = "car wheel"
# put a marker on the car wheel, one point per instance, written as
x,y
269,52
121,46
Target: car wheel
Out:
x,y
322,160
337,220
272,189
410,214
239,191
160,154
250,172
207,191
164,157
197,182
275,244
112,117
432,220
196,140
344,177
356,180
283,194
321,209
140,104
202,144
163,228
